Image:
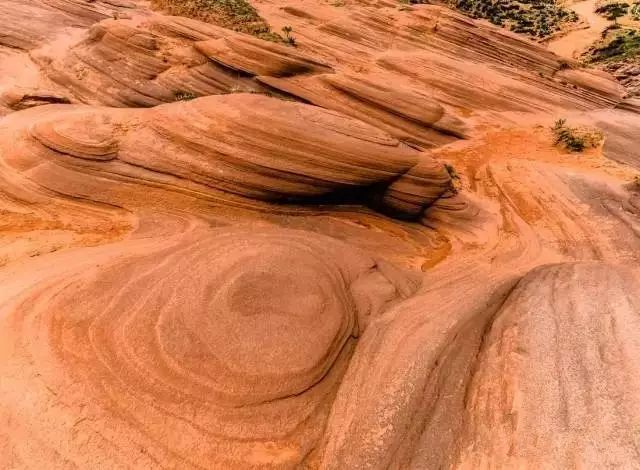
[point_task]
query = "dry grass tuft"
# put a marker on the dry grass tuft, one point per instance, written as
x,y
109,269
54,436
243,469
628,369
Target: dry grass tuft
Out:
x,y
576,139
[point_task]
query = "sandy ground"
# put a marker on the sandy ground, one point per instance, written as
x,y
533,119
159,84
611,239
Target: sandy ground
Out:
x,y
576,42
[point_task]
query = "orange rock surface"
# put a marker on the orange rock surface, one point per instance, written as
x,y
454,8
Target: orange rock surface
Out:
x,y
361,252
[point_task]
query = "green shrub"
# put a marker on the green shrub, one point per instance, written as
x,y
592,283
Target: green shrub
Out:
x,y
625,44
575,139
613,11
184,95
533,17
238,15
287,35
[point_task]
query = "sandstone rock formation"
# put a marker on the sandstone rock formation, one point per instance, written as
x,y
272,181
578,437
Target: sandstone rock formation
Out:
x,y
362,252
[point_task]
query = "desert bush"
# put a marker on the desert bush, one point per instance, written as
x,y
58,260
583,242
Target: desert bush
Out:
x,y
533,17
575,139
184,95
288,38
238,15
613,11
624,44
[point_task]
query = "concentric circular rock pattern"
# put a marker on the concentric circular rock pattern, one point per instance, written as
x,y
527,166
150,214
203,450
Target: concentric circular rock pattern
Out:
x,y
223,348
357,247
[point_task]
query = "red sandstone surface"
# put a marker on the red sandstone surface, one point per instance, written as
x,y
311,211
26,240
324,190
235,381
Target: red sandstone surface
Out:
x,y
281,273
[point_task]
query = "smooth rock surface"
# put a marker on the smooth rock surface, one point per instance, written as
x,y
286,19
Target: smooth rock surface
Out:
x,y
362,252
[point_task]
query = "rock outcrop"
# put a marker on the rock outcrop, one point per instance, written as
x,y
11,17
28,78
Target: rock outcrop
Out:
x,y
220,148
362,252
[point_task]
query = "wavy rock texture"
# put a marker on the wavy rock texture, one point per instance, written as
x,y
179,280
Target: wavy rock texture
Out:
x,y
362,252
485,375
218,148
259,399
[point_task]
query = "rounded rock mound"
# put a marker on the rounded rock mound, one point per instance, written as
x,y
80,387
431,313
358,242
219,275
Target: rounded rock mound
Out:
x,y
222,348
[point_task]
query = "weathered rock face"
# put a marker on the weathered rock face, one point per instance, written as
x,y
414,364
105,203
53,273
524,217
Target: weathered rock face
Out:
x,y
218,354
628,74
361,252
564,318
219,148
476,391
414,75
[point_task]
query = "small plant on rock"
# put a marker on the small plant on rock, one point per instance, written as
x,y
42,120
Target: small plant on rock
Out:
x,y
575,139
455,178
287,30
184,95
563,65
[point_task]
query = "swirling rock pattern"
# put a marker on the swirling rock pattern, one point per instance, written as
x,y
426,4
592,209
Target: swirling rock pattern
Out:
x,y
209,145
483,376
254,57
217,354
362,252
